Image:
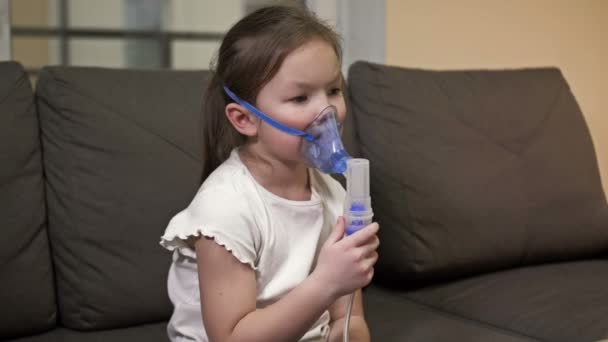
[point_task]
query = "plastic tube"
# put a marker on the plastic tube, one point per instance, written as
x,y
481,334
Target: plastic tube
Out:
x,y
349,312
357,211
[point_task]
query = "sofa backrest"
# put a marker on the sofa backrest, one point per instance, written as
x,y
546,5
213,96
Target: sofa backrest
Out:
x,y
122,155
474,171
27,293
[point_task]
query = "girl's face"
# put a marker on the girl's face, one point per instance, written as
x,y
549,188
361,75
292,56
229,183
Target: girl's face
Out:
x,y
308,81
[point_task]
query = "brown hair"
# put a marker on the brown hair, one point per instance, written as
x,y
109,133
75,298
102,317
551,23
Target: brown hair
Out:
x,y
251,53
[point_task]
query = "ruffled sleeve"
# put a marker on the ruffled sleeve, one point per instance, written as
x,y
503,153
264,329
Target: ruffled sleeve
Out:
x,y
221,213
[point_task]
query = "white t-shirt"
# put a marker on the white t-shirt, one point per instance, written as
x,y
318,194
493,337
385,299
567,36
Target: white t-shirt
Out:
x,y
279,238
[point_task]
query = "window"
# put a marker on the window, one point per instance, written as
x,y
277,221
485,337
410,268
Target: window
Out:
x,y
172,34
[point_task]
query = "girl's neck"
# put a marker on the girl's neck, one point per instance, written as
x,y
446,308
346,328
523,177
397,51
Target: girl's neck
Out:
x,y
287,180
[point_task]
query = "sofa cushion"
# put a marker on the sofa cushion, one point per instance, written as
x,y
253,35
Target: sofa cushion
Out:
x,y
27,297
473,171
394,317
559,302
156,332
122,155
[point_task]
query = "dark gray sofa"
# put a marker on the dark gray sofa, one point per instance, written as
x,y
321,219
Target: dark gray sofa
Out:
x,y
494,225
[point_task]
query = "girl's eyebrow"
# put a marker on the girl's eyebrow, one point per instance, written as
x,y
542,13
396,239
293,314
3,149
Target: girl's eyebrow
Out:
x,y
307,85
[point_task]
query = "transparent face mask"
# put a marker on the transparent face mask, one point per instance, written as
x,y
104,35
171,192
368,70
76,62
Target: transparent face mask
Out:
x,y
325,151
322,146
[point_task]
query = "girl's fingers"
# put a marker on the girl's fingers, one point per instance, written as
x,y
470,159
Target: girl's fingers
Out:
x,y
359,238
370,260
370,246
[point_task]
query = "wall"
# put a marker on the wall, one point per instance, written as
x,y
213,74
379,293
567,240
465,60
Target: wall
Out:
x,y
572,35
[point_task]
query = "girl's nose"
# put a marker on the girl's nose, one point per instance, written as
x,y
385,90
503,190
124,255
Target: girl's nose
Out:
x,y
325,101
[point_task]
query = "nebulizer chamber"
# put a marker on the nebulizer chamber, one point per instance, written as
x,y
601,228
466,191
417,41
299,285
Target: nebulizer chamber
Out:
x,y
357,205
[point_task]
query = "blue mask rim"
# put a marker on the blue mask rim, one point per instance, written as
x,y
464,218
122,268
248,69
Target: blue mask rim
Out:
x,y
267,119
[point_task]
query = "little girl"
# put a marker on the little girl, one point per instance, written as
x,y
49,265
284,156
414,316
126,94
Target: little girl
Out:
x,y
260,254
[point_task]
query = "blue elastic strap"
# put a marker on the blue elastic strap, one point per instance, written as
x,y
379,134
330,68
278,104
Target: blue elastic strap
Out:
x,y
268,119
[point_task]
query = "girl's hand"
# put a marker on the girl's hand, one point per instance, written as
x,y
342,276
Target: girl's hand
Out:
x,y
345,263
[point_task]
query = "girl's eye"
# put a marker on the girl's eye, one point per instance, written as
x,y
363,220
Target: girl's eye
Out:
x,y
335,91
299,99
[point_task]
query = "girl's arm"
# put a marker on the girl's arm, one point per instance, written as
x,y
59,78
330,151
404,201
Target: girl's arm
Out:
x,y
228,289
228,298
358,330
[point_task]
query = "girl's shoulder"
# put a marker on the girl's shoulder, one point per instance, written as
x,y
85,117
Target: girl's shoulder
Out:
x,y
226,176
227,191
223,208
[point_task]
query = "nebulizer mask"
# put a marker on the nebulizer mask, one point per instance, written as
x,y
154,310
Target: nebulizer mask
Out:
x,y
322,146
322,149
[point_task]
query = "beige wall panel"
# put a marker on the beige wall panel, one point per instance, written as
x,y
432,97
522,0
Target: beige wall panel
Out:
x,y
572,35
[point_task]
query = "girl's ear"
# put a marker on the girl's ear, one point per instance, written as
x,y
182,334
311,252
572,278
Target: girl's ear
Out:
x,y
242,120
